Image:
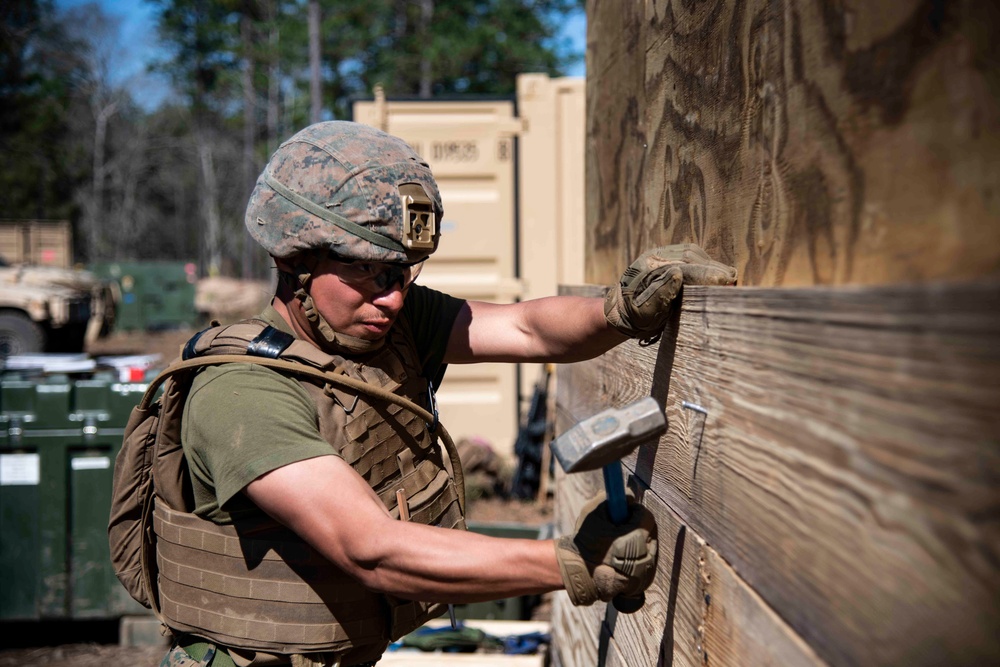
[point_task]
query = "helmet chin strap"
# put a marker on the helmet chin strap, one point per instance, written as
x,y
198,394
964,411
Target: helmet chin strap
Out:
x,y
332,340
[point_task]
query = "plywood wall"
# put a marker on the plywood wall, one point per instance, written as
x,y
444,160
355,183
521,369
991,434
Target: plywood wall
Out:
x,y
804,141
828,489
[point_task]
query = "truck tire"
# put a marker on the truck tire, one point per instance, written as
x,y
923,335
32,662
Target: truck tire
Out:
x,y
19,334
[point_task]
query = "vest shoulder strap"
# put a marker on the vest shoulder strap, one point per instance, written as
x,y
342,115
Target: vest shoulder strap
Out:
x,y
232,344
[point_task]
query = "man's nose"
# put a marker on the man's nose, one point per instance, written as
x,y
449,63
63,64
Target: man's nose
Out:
x,y
391,297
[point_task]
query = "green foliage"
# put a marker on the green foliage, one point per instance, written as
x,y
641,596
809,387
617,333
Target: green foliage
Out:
x,y
465,47
133,180
473,46
203,43
39,66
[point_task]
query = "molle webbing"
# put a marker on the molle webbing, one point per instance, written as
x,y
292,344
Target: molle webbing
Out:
x,y
278,594
268,608
375,381
335,380
259,587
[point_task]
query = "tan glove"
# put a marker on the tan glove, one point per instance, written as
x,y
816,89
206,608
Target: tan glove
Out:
x,y
640,305
602,560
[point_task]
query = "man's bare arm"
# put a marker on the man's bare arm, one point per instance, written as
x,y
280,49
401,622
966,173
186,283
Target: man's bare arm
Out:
x,y
559,329
332,508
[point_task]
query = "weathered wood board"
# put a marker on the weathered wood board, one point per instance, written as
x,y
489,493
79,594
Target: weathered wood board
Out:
x,y
833,457
698,611
805,142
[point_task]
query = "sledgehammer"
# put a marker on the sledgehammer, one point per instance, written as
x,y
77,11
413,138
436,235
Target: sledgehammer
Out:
x,y
600,442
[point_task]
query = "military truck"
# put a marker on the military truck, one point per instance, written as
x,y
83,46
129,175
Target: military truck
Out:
x,y
52,309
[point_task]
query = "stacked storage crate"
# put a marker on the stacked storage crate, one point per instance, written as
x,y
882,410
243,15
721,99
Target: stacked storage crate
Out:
x,y
59,437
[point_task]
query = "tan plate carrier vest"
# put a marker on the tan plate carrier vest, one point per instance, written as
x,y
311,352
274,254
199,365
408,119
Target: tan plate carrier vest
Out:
x,y
257,585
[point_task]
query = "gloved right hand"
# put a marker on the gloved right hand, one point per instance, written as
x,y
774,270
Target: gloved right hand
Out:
x,y
602,560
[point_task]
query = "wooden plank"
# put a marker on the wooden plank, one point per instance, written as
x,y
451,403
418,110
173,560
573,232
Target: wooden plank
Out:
x,y
615,127
802,141
575,632
699,611
697,605
696,608
574,629
841,452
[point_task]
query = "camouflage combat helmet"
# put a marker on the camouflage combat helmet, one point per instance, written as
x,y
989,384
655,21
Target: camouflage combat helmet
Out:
x,y
350,189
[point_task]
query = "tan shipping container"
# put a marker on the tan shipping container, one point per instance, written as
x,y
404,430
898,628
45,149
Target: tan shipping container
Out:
x,y
512,186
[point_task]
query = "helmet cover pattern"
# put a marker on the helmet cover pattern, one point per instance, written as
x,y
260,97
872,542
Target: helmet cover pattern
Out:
x,y
335,186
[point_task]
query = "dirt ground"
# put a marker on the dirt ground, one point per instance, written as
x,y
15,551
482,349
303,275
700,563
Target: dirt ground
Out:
x,y
82,655
89,644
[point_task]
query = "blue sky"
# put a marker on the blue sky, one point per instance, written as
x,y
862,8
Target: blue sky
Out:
x,y
139,45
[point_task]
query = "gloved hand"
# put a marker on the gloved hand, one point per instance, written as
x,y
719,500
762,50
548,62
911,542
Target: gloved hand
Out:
x,y
602,560
641,303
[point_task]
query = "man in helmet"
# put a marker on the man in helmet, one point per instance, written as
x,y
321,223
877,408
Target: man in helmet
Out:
x,y
349,215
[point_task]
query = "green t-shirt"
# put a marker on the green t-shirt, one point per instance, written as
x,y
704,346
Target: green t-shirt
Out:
x,y
243,420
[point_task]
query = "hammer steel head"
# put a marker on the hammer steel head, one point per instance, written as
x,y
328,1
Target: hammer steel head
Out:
x,y
608,436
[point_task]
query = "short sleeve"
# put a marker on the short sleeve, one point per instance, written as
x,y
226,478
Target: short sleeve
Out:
x,y
432,316
240,422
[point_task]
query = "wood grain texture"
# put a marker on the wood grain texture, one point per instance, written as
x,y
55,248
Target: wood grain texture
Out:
x,y
697,612
804,142
840,460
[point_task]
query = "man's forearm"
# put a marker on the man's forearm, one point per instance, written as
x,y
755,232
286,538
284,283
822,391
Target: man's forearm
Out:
x,y
557,329
438,565
569,328
332,508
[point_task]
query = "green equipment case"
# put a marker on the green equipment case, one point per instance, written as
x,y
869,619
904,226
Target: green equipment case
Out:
x,y
59,437
154,295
